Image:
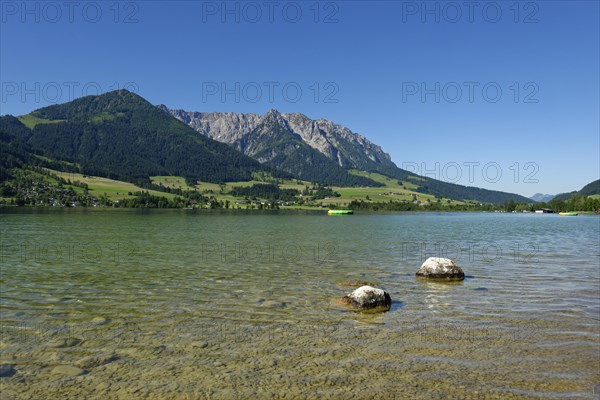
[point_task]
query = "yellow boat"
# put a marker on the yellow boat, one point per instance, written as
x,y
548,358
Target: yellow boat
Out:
x,y
568,214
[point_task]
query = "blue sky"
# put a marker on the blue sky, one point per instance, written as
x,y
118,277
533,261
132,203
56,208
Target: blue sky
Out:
x,y
501,95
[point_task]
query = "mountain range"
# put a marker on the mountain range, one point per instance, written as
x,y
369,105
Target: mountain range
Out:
x,y
120,135
542,198
318,150
243,131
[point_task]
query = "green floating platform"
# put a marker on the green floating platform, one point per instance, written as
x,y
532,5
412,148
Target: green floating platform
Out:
x,y
340,212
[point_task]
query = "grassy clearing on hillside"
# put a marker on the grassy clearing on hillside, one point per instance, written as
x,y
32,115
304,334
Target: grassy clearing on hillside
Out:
x,y
295,186
387,181
113,189
104,116
173,182
391,191
31,121
67,163
205,187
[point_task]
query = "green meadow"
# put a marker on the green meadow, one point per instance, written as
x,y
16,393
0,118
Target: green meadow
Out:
x,y
31,120
115,189
112,189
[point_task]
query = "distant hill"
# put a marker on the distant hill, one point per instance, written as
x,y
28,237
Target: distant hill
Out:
x,y
542,198
590,189
122,136
320,150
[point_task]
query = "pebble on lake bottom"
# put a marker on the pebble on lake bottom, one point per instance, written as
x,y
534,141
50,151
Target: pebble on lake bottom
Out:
x,y
67,370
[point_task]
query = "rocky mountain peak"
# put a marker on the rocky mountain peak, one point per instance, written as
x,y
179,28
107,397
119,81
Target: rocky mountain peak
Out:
x,y
272,112
273,117
336,142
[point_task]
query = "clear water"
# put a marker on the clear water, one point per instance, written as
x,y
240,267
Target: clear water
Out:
x,y
190,305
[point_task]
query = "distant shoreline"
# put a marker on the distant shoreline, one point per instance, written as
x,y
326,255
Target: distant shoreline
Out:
x,y
272,211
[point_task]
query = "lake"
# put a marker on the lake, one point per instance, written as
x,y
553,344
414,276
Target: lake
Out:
x,y
188,304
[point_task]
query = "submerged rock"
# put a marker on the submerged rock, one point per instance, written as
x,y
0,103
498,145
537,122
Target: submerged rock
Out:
x,y
7,370
273,304
100,321
441,269
367,297
96,360
67,370
60,343
355,283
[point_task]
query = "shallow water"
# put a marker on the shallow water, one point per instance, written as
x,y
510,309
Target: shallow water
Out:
x,y
184,304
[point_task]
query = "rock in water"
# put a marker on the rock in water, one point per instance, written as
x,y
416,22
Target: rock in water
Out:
x,y
95,360
367,297
67,370
60,343
441,269
7,370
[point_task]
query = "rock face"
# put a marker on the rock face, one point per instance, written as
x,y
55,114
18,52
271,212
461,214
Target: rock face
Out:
x,y
316,151
336,142
441,269
367,297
